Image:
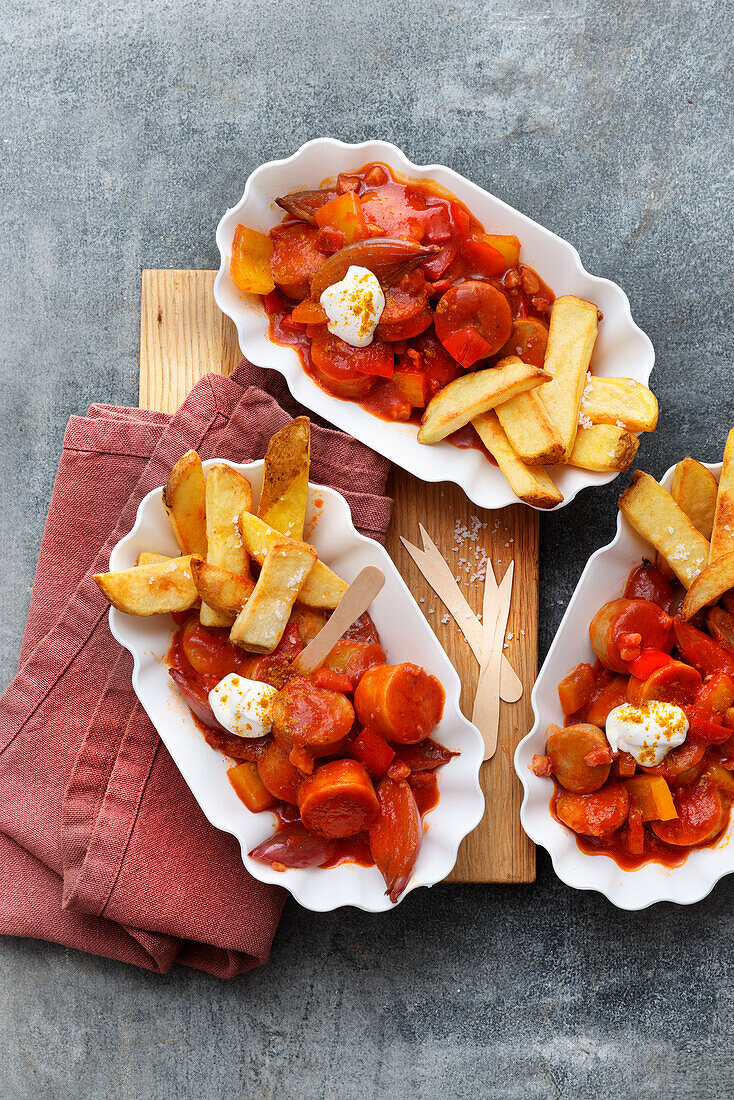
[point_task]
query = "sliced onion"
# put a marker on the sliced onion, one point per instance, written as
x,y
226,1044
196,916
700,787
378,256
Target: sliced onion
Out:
x,y
304,204
293,846
389,258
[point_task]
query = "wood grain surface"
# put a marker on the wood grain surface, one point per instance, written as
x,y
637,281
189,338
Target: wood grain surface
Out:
x,y
182,336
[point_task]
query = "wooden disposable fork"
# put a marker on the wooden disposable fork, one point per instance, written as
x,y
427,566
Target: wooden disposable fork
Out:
x,y
437,572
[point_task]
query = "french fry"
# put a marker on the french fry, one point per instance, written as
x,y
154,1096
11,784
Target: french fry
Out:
x,y
466,397
150,589
530,431
709,586
571,338
260,625
656,517
220,589
530,483
694,490
184,501
322,588
603,447
227,495
722,533
144,558
285,482
621,401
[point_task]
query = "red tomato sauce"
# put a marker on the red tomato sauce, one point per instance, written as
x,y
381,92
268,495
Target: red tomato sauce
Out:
x,y
464,255
202,655
644,655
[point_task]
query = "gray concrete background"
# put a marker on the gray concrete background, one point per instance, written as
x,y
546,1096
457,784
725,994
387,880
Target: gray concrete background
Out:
x,y
126,129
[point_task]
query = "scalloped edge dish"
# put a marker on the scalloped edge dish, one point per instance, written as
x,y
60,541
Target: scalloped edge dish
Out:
x,y
405,634
602,579
622,349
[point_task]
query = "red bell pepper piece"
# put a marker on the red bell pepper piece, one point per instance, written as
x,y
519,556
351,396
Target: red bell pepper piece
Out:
x,y
488,259
330,680
460,218
648,662
703,724
436,223
329,240
701,651
437,266
293,846
372,751
467,346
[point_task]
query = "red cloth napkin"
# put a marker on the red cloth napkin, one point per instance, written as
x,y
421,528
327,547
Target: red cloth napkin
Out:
x,y
102,846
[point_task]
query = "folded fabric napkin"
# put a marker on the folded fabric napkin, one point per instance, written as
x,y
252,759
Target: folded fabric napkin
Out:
x,y
102,846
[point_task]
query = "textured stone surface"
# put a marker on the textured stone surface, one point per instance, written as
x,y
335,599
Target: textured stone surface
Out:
x,y
125,130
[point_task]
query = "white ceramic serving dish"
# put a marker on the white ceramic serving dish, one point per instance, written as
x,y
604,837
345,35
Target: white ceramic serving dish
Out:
x,y
622,349
405,635
603,579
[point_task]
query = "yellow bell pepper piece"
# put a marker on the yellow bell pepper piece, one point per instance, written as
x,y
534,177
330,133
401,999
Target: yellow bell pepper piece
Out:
x,y
250,262
650,794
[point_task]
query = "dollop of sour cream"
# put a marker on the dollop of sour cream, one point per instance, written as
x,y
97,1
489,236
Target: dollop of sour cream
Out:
x,y
647,732
354,307
242,705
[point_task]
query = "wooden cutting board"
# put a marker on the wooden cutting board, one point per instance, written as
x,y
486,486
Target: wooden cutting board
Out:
x,y
183,335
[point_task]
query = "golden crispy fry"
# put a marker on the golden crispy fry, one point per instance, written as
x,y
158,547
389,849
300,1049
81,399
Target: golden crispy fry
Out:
x,y
530,431
322,588
709,586
530,483
144,558
722,534
656,517
221,591
620,401
603,447
183,499
228,494
571,338
260,625
285,483
694,489
466,397
150,589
